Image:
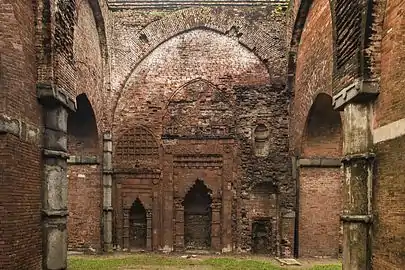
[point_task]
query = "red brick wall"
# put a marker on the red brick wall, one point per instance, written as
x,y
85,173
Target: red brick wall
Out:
x,y
389,197
319,210
85,206
196,54
389,106
314,67
320,201
20,210
20,167
85,182
388,207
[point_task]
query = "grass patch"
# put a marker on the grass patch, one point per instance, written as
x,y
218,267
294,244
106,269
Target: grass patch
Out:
x,y
160,262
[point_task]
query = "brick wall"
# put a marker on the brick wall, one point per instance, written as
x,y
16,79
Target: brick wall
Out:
x,y
320,189
389,197
320,206
314,67
20,196
176,73
388,227
84,128
20,160
389,105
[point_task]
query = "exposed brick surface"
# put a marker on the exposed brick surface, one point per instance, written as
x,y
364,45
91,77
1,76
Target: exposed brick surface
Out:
x,y
314,67
389,197
390,103
84,129
319,210
20,162
85,206
20,207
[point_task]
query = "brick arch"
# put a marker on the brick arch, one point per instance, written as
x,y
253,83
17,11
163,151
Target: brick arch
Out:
x,y
310,65
322,136
185,20
191,36
90,54
188,186
300,14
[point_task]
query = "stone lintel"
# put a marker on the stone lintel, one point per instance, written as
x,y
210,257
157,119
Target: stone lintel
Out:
x,y
353,157
17,127
319,162
54,153
357,218
55,213
51,95
360,91
83,160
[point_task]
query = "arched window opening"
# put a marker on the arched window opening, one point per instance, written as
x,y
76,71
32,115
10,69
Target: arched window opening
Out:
x,y
264,226
137,226
323,134
261,140
197,217
82,127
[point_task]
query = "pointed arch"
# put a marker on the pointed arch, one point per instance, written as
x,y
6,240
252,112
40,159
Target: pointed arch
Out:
x,y
197,216
137,225
82,126
323,135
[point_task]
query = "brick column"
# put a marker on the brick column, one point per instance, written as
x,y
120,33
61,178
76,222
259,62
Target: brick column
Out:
x,y
107,192
125,228
179,227
216,224
149,229
55,183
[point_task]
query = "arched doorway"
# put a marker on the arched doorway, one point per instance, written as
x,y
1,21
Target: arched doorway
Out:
x,y
197,217
137,226
320,181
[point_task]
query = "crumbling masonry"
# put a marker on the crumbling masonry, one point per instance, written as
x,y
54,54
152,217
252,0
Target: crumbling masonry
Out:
x,y
271,127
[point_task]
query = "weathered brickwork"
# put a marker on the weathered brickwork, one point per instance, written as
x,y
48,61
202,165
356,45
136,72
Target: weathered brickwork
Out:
x,y
20,244
84,169
389,105
190,88
320,187
314,66
192,125
319,209
389,192
20,156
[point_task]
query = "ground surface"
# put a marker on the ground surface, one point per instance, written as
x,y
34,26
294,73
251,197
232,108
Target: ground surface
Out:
x,y
201,262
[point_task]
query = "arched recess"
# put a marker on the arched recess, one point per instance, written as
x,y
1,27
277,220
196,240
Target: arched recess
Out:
x,y
137,225
311,62
263,204
222,62
197,217
262,53
320,182
84,175
82,128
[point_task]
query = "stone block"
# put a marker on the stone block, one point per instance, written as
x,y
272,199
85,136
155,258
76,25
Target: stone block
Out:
x,y
56,248
56,119
55,140
56,187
